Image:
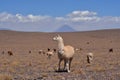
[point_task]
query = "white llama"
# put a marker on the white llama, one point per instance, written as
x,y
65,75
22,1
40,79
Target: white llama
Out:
x,y
89,57
64,53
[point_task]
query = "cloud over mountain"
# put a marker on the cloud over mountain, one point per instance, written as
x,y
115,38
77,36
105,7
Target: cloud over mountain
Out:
x,y
80,20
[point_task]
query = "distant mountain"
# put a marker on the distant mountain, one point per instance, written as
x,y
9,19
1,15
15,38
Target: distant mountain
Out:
x,y
65,28
4,29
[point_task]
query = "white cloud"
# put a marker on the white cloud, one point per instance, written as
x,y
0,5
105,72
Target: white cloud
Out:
x,y
81,13
31,18
5,17
79,20
78,16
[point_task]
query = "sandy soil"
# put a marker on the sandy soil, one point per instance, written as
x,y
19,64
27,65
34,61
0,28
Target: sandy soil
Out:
x,y
27,63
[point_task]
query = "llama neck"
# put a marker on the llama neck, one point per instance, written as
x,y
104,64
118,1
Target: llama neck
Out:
x,y
60,45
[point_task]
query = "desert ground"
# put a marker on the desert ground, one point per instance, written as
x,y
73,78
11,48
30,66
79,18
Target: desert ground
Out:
x,y
27,63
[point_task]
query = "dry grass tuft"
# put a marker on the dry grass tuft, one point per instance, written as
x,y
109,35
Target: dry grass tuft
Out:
x,y
98,68
77,71
59,77
5,77
44,75
15,63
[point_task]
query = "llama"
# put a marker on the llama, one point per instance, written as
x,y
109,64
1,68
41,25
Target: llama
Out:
x,y
40,51
54,50
30,51
111,50
10,53
3,52
89,57
50,53
64,53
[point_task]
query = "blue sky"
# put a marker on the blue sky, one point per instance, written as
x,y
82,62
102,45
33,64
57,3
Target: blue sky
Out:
x,y
48,15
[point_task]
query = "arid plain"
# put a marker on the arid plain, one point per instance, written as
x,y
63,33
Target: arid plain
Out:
x,y
27,63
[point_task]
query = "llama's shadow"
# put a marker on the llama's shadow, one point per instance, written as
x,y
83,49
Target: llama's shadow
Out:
x,y
60,71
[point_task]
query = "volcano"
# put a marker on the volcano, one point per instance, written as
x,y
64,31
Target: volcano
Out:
x,y
65,28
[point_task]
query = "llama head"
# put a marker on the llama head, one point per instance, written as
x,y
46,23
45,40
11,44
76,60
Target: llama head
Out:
x,y
90,56
58,38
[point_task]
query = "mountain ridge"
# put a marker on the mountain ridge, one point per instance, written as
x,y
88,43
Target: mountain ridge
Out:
x,y
65,28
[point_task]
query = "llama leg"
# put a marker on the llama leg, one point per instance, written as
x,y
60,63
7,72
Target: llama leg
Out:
x,y
70,62
48,56
67,66
64,64
59,64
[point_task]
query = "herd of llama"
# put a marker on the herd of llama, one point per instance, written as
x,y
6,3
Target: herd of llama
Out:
x,y
64,52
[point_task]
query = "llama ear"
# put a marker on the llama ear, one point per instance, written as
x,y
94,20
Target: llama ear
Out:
x,y
58,35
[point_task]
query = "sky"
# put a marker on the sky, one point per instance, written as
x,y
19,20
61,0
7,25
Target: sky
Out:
x,y
50,15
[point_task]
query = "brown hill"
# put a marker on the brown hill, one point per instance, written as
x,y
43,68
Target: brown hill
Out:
x,y
100,39
26,63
